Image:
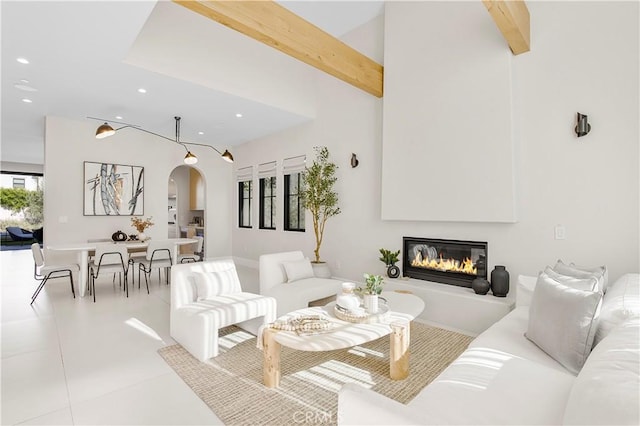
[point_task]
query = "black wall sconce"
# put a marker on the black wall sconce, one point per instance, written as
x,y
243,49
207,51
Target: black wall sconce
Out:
x,y
354,161
582,126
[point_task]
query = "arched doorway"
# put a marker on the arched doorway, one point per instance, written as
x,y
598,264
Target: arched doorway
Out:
x,y
186,203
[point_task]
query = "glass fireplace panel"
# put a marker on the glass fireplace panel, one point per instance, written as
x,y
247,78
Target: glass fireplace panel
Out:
x,y
445,261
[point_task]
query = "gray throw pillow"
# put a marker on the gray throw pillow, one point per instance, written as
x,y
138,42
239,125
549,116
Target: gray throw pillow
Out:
x,y
562,321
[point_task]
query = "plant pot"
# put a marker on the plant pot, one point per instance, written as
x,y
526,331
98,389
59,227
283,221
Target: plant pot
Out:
x,y
370,303
321,270
393,271
141,236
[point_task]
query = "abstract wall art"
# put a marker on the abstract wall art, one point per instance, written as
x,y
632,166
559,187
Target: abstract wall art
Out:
x,y
113,189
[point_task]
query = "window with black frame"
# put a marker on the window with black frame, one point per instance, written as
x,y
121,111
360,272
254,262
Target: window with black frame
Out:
x,y
268,202
293,208
245,192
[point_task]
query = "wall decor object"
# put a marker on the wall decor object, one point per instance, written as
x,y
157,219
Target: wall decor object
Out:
x,y
354,161
113,189
500,281
582,125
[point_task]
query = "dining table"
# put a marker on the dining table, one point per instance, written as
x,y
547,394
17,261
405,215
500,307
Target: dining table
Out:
x,y
83,250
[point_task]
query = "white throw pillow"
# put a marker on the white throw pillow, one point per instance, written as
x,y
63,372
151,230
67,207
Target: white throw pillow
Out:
x,y
588,284
621,302
211,284
599,273
562,321
298,270
607,390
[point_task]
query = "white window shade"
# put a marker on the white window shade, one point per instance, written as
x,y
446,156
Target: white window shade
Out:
x,y
267,169
244,174
294,164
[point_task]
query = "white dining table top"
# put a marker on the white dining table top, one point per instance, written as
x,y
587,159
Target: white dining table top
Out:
x,y
130,244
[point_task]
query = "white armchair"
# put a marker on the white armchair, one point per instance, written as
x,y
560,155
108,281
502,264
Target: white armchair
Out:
x,y
206,296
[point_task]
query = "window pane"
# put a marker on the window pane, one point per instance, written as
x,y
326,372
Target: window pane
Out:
x,y
245,204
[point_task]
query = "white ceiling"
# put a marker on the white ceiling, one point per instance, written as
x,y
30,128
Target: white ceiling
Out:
x,y
77,50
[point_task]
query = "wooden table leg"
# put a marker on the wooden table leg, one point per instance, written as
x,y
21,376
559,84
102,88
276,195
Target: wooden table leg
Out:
x,y
271,358
399,350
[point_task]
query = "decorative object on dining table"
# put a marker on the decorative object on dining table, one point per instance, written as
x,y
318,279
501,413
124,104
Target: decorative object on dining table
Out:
x,y
119,236
373,287
480,286
500,281
140,226
113,189
390,258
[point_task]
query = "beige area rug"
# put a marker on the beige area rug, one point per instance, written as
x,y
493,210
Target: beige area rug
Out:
x,y
231,384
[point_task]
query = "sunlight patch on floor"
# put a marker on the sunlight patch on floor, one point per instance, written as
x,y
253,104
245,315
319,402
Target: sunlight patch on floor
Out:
x,y
142,327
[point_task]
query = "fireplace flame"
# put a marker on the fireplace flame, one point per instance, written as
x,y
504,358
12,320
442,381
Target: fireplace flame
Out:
x,y
466,266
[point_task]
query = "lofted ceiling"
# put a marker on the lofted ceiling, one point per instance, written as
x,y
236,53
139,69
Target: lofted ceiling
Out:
x,y
82,64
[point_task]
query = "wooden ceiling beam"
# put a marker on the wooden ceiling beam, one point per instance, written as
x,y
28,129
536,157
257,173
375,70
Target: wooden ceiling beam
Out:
x,y
276,26
512,19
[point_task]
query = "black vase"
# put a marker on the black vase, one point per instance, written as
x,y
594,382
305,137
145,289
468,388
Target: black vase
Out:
x,y
480,286
499,281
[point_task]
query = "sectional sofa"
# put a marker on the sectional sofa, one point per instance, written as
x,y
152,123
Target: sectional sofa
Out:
x,y
505,378
289,278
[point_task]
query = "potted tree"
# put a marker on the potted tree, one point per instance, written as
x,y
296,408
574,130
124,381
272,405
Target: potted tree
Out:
x,y
320,199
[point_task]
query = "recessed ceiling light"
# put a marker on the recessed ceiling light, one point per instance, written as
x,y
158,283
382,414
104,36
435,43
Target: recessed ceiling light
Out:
x,y
27,100
26,88
23,60
201,133
118,117
239,115
25,81
141,90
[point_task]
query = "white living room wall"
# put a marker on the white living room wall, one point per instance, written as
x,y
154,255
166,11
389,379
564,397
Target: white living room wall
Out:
x,y
68,143
447,123
584,58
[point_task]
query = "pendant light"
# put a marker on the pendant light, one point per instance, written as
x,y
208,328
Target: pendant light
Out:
x,y
105,130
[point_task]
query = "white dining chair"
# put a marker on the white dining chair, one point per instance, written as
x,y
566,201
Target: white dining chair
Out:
x,y
43,272
196,256
109,258
159,255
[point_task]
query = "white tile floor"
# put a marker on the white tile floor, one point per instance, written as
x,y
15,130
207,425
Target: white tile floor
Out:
x,y
71,361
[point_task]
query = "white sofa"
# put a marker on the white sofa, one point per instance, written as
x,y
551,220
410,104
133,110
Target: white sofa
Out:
x,y
293,292
504,378
206,296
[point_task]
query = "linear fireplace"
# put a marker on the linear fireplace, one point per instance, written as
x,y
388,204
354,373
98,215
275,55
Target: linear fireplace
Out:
x,y
445,261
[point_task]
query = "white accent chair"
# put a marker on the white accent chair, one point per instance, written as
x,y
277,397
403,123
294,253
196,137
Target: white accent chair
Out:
x,y
43,272
207,296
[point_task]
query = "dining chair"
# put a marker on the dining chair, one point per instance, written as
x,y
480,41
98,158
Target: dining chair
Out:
x,y
43,272
196,256
92,252
159,255
109,258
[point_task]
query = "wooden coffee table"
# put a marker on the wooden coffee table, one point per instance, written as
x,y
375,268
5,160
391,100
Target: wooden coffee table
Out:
x,y
403,309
